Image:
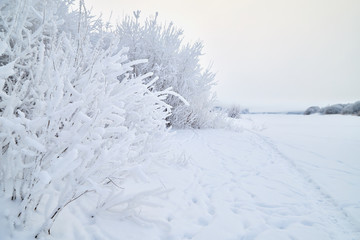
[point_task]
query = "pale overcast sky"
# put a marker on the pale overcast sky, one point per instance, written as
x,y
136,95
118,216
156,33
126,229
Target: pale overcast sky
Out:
x,y
268,54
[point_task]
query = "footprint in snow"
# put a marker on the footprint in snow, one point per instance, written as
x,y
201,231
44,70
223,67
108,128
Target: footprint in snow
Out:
x,y
211,211
307,223
169,218
203,222
188,236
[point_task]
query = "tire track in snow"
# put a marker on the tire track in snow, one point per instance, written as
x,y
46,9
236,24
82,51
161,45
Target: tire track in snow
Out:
x,y
323,197
231,184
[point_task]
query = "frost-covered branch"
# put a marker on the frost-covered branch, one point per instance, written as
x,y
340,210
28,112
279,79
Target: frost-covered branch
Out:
x,y
72,114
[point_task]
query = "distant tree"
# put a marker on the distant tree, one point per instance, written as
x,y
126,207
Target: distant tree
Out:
x,y
346,109
312,110
356,108
353,109
333,109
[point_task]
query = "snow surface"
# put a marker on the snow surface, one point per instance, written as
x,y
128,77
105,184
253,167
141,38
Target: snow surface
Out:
x,y
282,177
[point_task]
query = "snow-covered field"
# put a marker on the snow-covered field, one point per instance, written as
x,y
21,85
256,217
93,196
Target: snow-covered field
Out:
x,y
326,150
281,177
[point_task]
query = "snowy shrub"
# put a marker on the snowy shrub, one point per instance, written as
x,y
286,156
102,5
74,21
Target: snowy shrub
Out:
x,y
235,111
72,114
312,110
176,64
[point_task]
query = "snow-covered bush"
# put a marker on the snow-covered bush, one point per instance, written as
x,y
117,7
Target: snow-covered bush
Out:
x,y
235,111
176,64
72,114
312,110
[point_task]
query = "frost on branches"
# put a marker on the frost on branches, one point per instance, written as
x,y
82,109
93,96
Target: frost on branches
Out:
x,y
177,65
72,117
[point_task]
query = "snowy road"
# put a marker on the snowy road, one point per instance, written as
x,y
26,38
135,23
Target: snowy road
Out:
x,y
298,178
